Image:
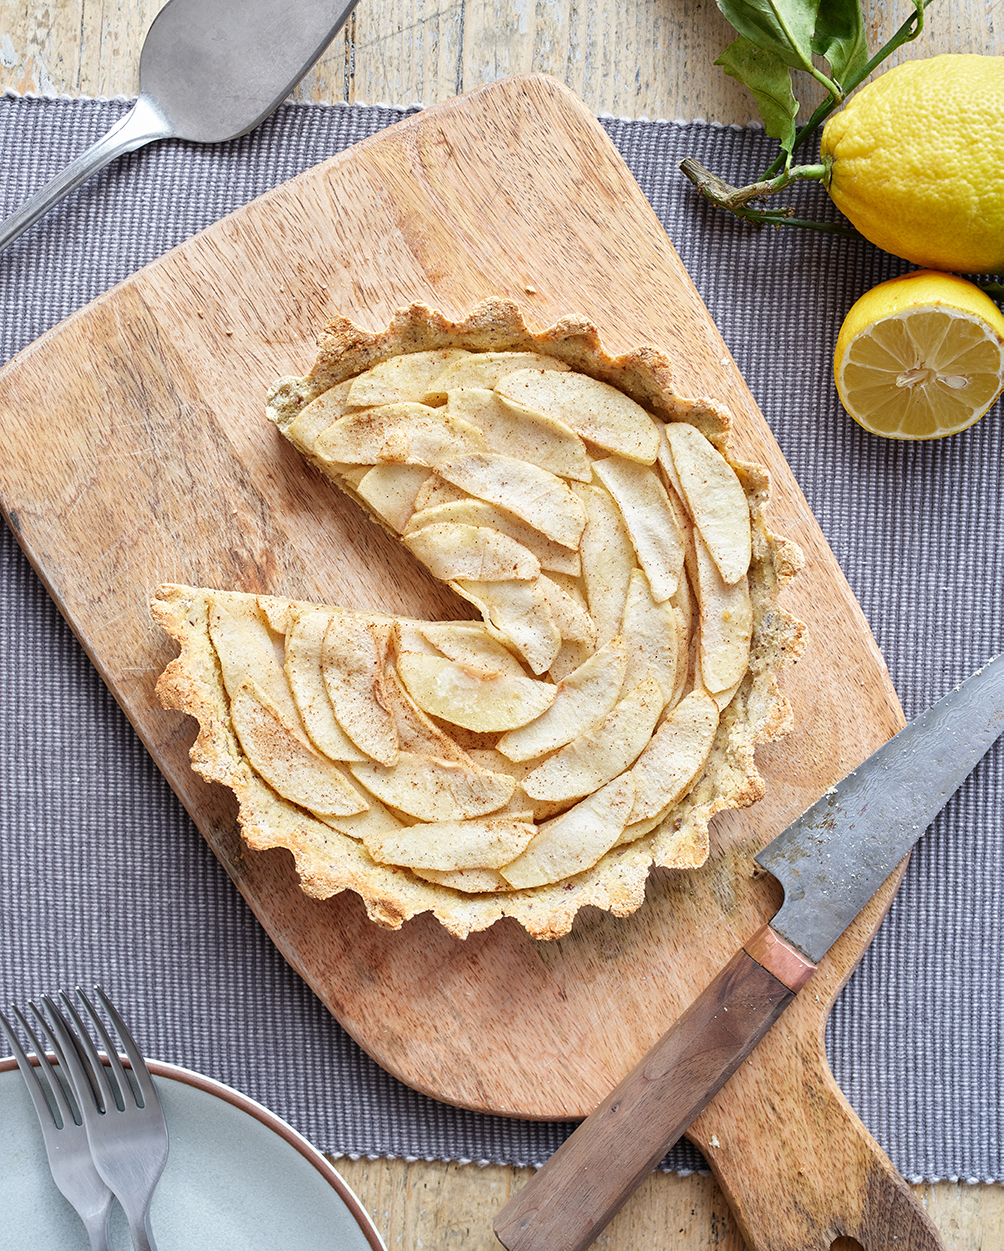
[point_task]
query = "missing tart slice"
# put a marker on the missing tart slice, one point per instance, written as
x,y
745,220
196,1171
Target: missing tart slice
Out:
x,y
603,708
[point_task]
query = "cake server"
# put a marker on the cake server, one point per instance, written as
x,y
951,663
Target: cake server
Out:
x,y
209,70
830,861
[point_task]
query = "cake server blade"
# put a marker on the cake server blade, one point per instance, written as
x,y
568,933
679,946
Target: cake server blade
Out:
x,y
209,71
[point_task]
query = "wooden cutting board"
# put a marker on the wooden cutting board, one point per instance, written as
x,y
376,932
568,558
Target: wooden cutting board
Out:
x,y
135,452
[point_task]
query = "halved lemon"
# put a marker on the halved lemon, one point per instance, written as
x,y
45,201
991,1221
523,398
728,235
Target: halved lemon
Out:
x,y
920,357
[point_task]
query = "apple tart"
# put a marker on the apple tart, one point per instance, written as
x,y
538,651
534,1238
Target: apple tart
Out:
x,y
608,700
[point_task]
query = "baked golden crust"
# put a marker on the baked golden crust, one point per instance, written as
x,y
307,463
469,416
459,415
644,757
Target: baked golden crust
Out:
x,y
589,726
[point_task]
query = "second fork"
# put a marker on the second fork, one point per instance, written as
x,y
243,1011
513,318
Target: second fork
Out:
x,y
125,1127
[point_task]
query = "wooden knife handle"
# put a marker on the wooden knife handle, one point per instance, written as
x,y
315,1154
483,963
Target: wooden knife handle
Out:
x,y
591,1175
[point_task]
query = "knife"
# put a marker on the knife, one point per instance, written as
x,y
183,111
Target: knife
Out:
x,y
830,861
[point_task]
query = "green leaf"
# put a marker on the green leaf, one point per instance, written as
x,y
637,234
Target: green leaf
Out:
x,y
781,27
840,36
769,79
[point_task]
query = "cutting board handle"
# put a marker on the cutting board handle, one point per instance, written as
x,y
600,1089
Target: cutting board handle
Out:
x,y
812,1177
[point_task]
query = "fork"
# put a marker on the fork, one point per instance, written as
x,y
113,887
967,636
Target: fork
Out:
x,y
126,1130
65,1140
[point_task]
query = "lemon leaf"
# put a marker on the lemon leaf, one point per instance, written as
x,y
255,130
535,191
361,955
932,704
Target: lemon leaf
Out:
x,y
841,38
768,77
781,27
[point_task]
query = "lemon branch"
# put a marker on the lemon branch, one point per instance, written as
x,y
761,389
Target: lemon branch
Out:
x,y
776,36
743,201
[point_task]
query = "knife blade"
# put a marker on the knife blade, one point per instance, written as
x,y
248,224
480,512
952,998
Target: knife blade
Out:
x,y
830,861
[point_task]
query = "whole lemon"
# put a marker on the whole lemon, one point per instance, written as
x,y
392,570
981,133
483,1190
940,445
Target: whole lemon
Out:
x,y
918,162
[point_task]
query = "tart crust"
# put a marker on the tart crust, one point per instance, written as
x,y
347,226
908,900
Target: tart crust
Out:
x,y
251,741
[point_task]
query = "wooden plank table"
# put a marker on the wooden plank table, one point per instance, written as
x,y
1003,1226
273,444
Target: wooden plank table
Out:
x,y
629,58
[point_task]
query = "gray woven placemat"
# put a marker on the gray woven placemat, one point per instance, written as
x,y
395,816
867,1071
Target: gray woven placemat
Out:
x,y
104,878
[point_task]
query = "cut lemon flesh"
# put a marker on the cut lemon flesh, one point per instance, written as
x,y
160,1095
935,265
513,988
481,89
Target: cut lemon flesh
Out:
x,y
920,368
921,375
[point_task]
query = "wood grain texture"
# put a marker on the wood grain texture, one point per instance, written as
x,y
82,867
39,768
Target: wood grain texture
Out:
x,y
154,457
444,1205
630,58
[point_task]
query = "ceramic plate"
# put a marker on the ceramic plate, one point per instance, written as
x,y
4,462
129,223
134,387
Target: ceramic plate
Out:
x,y
237,1179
